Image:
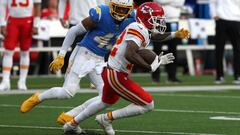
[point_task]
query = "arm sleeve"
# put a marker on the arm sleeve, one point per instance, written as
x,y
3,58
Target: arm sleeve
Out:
x,y
213,4
95,14
3,8
61,8
72,33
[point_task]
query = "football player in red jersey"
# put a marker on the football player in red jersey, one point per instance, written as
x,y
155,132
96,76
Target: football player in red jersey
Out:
x,y
18,29
150,18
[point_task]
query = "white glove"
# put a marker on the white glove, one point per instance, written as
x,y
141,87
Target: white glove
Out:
x,y
166,59
162,60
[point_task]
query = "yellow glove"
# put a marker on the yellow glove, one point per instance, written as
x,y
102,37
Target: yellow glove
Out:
x,y
182,33
56,64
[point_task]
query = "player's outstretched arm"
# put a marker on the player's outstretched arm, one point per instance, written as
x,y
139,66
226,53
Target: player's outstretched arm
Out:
x,y
72,33
182,33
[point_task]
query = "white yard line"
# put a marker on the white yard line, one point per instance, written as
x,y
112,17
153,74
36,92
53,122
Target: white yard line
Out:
x,y
196,96
150,89
121,131
193,88
225,118
192,111
155,110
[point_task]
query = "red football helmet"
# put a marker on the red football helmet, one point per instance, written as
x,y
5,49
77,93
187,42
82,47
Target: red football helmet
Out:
x,y
151,15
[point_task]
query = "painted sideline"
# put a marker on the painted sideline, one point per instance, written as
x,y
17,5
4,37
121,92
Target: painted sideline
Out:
x,y
155,110
121,131
150,89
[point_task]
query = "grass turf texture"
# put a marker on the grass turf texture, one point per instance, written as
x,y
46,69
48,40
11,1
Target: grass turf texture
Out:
x,y
175,113
142,79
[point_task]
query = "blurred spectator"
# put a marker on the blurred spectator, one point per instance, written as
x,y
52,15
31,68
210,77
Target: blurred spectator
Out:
x,y
172,10
227,16
78,10
50,12
21,24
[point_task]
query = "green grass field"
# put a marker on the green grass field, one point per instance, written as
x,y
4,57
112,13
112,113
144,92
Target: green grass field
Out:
x,y
142,79
176,113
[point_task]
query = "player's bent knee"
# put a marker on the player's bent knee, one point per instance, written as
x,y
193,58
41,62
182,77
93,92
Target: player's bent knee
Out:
x,y
70,92
58,92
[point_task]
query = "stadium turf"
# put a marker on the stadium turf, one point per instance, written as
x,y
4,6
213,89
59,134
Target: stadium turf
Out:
x,y
176,113
142,79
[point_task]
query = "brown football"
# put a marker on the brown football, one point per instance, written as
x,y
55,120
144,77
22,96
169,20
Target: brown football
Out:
x,y
147,55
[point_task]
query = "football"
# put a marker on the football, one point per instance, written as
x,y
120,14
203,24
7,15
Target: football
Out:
x,y
147,55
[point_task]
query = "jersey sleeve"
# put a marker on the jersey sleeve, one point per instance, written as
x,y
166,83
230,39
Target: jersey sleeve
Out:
x,y
136,34
95,14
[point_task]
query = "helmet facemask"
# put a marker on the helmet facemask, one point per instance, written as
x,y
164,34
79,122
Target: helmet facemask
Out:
x,y
158,24
119,11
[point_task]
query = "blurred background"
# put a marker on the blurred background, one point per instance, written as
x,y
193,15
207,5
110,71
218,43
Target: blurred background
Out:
x,y
195,56
196,95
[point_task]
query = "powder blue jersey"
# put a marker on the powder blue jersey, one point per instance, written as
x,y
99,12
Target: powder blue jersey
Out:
x,y
101,39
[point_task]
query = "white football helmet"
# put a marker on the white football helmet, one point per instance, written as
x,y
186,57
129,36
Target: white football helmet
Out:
x,y
120,9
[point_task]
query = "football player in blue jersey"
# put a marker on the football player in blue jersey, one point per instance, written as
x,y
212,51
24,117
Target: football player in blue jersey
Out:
x,y
104,24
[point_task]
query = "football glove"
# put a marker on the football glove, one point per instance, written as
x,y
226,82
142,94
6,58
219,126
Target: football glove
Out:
x,y
166,59
56,64
182,33
162,59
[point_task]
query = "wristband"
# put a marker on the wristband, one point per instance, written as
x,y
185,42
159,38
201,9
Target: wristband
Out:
x,y
62,53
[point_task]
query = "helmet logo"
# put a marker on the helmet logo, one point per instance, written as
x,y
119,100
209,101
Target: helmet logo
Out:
x,y
146,9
